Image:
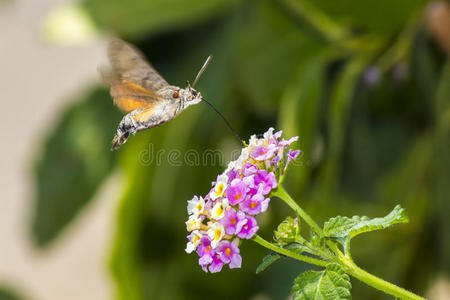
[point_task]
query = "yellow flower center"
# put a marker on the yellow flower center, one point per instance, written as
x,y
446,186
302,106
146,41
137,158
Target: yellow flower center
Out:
x,y
233,221
220,189
220,210
208,248
238,196
217,234
253,204
196,239
228,251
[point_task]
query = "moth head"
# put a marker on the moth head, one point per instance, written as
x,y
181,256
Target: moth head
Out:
x,y
190,96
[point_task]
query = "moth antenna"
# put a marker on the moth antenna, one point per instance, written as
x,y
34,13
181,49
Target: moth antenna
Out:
x,y
225,120
202,70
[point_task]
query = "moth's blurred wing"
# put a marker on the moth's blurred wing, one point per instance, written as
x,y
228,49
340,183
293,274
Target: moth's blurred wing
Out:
x,y
129,64
129,96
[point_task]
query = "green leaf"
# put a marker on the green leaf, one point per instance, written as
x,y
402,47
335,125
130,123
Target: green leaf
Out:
x,y
135,17
344,229
74,162
330,284
273,257
267,261
287,231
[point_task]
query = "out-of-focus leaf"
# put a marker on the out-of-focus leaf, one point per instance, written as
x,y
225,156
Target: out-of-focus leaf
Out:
x,y
7,294
298,114
425,65
344,229
74,162
371,14
305,10
269,51
136,17
406,181
339,110
442,162
330,284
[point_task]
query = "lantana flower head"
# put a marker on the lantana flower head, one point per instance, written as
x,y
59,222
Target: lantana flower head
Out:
x,y
226,215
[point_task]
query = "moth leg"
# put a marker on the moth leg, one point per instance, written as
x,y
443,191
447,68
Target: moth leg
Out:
x,y
137,120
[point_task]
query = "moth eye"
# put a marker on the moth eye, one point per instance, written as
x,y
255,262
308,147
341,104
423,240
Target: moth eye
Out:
x,y
175,94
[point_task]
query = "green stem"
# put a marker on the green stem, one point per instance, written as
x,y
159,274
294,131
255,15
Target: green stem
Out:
x,y
350,267
256,238
281,193
379,283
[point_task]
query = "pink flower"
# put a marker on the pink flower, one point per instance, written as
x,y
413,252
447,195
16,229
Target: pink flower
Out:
x,y
230,254
226,213
255,205
236,192
284,143
263,152
247,228
292,155
231,220
266,180
249,169
216,263
205,252
232,174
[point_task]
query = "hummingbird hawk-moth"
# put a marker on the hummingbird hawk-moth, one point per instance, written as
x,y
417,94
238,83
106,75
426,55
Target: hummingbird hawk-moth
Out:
x,y
142,93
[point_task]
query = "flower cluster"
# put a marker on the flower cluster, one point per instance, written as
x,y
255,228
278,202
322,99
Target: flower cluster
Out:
x,y
227,213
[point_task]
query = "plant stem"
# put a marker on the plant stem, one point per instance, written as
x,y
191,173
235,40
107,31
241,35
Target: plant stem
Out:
x,y
281,193
256,238
379,283
346,262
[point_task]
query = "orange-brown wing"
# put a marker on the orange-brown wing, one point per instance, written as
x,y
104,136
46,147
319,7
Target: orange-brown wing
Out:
x,y
129,96
129,64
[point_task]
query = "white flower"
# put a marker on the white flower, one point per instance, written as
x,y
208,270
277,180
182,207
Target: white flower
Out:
x,y
218,210
245,154
238,163
216,233
254,142
193,223
231,166
220,187
268,134
196,206
193,243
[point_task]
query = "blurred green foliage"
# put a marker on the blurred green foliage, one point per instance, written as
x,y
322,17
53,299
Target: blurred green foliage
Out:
x,y
75,162
6,293
361,83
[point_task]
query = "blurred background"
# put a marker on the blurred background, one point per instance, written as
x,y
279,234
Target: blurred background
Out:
x,y
364,84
